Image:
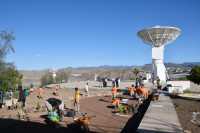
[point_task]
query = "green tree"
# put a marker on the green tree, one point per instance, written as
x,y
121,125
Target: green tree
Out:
x,y
62,75
195,75
9,76
136,71
10,79
47,79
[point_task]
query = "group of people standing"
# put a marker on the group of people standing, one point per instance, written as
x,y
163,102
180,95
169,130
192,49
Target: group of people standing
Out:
x,y
138,91
116,82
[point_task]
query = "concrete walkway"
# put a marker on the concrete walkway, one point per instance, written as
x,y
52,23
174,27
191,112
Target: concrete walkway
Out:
x,y
160,117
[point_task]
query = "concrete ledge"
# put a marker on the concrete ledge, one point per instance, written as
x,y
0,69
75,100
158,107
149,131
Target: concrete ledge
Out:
x,y
161,117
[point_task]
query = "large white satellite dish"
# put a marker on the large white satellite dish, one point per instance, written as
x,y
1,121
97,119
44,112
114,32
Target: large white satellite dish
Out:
x,y
158,37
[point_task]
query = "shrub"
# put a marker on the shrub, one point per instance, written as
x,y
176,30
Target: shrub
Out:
x,y
195,75
47,79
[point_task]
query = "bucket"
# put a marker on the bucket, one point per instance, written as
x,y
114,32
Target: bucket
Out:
x,y
70,113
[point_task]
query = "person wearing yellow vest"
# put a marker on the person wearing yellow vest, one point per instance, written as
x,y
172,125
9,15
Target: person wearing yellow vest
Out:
x,y
76,100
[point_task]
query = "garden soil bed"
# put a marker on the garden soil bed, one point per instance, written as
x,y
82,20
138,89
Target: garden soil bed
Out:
x,y
105,121
184,109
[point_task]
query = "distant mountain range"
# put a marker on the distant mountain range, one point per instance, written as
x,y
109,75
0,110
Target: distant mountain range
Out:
x,y
34,76
186,65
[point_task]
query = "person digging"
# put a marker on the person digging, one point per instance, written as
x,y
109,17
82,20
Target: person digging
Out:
x,y
55,108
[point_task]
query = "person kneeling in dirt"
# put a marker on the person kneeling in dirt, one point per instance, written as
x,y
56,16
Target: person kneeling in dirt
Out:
x,y
131,90
142,92
55,108
116,102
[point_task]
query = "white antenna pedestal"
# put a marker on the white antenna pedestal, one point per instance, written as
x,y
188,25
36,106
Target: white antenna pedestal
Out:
x,y
158,67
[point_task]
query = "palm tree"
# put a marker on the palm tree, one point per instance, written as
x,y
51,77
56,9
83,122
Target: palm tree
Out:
x,y
136,71
6,39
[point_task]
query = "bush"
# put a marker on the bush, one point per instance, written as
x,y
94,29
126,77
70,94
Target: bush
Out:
x,y
16,94
10,79
187,91
133,78
182,79
47,79
195,75
61,76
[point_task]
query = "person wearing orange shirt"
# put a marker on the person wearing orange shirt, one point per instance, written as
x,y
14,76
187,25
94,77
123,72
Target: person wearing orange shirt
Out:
x,y
114,92
116,102
142,91
131,90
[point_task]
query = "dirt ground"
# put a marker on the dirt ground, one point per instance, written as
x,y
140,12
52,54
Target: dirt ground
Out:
x,y
66,94
105,120
184,109
32,102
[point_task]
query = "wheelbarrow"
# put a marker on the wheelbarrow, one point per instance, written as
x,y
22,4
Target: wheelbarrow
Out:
x,y
84,122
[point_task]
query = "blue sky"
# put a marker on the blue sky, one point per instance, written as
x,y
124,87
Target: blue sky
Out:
x,y
61,33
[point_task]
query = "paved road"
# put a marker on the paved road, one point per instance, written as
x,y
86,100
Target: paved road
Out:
x,y
161,117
